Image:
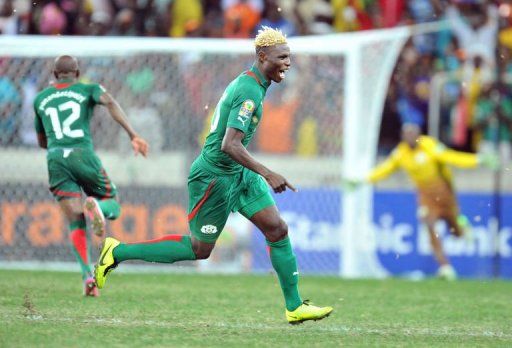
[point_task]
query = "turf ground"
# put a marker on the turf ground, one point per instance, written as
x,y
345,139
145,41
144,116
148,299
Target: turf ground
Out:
x,y
46,309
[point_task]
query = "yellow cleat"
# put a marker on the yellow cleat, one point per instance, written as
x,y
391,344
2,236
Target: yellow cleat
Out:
x,y
106,262
306,311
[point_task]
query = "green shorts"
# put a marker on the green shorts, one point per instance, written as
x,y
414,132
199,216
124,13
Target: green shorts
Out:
x,y
212,197
72,170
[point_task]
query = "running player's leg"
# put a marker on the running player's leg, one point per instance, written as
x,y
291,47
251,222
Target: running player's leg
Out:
x,y
72,208
101,202
208,213
436,244
282,257
68,194
445,270
259,207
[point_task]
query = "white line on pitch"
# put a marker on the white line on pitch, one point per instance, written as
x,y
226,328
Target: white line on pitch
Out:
x,y
407,331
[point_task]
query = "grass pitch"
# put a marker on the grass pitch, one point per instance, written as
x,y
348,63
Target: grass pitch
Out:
x,y
46,309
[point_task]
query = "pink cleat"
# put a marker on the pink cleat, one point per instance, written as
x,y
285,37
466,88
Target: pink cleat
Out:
x,y
95,216
90,288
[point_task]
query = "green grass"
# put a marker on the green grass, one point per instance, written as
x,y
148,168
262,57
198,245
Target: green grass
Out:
x,y
46,309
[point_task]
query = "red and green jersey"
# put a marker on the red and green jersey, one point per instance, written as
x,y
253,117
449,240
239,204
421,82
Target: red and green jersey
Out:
x,y
63,112
240,107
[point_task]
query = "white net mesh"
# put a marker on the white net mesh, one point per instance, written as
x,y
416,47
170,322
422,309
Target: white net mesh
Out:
x,y
169,97
327,110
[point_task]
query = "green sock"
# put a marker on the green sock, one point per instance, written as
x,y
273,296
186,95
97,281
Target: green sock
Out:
x,y
285,264
79,245
168,249
110,208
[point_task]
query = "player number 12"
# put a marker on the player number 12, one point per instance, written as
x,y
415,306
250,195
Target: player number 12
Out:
x,y
66,124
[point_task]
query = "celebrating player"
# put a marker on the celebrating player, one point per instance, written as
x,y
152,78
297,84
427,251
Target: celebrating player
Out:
x,y
224,178
425,161
63,112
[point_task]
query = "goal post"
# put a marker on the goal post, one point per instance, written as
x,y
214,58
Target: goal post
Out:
x,y
323,122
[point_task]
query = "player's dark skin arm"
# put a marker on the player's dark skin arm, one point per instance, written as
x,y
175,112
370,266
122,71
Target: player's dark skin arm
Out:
x,y
119,116
117,113
42,140
232,145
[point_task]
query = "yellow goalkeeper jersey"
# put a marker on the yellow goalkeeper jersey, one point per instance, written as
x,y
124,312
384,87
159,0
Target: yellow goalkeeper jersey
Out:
x,y
426,164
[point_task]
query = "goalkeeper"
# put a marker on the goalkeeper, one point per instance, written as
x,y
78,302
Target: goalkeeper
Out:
x,y
224,178
426,160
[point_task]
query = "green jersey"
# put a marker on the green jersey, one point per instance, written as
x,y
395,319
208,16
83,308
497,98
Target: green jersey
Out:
x,y
240,107
63,112
494,131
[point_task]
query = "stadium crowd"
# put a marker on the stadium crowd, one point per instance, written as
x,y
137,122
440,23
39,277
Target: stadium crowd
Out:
x,y
464,60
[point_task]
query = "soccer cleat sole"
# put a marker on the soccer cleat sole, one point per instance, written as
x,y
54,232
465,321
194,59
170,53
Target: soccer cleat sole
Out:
x,y
95,216
303,320
90,289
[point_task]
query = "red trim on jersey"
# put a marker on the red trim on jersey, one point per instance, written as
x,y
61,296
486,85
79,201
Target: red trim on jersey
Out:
x,y
62,85
253,75
65,193
108,187
171,237
194,212
79,240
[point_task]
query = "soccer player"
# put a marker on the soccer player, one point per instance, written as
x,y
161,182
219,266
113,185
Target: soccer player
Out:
x,y
224,178
62,115
425,160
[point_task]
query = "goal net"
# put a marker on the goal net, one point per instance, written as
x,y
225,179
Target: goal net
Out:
x,y
321,123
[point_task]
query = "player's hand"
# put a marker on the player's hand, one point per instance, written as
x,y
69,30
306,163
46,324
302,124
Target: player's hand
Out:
x,y
140,145
490,161
278,182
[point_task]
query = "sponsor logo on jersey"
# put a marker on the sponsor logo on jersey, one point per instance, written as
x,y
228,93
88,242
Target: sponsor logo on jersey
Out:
x,y
246,111
209,229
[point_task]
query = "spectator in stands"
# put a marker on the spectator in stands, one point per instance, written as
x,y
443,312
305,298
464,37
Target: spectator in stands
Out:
x,y
213,24
493,117
8,20
186,18
475,26
51,20
124,23
273,17
10,102
277,127
240,20
351,15
392,13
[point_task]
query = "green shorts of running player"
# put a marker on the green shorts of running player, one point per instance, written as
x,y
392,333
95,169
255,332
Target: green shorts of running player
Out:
x,y
71,170
212,197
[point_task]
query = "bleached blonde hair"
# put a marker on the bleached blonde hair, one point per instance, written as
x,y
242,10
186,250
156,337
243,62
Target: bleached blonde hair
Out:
x,y
269,37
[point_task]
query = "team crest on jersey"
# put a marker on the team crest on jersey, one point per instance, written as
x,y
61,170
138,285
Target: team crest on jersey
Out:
x,y
254,119
209,229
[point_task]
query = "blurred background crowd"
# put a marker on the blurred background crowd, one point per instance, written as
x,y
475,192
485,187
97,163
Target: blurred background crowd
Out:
x,y
469,63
